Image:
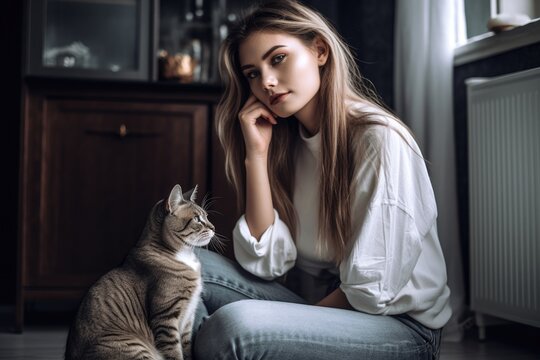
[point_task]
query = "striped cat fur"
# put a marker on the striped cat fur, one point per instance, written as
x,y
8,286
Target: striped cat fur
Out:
x,y
144,309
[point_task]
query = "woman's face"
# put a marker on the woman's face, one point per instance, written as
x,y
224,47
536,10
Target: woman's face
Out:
x,y
282,72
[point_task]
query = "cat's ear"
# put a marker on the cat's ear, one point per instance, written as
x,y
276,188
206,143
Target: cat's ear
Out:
x,y
175,198
193,196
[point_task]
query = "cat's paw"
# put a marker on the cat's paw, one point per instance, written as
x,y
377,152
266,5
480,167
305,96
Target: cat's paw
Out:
x,y
173,355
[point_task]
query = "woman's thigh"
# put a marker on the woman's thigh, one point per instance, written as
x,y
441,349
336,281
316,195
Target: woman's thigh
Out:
x,y
225,281
253,329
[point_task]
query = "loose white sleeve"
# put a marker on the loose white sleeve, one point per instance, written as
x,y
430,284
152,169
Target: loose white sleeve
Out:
x,y
394,208
270,257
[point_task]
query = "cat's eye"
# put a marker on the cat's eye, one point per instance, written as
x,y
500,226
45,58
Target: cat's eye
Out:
x,y
197,218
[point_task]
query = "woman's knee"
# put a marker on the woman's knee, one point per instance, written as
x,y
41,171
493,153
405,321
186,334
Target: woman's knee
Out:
x,y
228,331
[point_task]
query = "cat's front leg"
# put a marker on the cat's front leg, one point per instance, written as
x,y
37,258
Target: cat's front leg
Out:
x,y
186,340
166,334
168,344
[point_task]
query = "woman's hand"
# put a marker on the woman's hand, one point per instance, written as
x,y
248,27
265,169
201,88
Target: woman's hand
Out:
x,y
256,122
336,299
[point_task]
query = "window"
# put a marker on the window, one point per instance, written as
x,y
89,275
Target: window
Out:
x,y
478,12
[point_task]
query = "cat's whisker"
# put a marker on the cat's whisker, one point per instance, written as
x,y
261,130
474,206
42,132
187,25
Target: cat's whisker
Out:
x,y
218,247
204,200
221,237
209,201
219,242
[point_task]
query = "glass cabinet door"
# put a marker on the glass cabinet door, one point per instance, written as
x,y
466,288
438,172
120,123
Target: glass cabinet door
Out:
x,y
164,40
90,38
190,33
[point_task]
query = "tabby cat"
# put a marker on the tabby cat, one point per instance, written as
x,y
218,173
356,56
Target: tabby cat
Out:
x,y
145,308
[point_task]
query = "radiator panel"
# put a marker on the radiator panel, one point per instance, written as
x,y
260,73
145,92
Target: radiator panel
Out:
x,y
504,195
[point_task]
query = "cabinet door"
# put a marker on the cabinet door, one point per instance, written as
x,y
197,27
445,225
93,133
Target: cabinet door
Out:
x,y
91,177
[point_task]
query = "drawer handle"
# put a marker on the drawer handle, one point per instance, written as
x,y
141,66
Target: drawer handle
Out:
x,y
122,133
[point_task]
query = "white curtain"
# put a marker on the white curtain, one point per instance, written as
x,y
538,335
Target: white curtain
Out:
x,y
426,33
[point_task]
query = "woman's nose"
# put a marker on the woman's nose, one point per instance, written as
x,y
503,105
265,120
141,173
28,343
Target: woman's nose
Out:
x,y
269,81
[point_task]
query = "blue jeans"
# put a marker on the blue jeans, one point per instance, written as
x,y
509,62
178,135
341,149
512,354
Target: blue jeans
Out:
x,y
243,317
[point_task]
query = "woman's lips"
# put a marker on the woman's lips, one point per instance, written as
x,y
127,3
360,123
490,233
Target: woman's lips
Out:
x,y
276,99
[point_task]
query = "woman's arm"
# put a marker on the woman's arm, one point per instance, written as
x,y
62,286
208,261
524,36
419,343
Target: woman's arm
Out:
x,y
256,122
395,208
263,244
259,206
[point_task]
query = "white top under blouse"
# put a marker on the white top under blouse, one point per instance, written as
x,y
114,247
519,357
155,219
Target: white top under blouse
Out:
x,y
395,264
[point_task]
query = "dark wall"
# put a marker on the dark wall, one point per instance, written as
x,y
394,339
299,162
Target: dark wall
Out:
x,y
516,60
10,87
368,27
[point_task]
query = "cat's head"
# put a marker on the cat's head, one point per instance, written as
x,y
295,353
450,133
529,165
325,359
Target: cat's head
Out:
x,y
186,223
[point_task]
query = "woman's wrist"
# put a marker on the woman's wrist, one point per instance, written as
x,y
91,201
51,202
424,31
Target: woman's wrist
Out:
x,y
259,208
256,160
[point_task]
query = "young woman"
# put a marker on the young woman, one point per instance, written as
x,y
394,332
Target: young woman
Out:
x,y
338,248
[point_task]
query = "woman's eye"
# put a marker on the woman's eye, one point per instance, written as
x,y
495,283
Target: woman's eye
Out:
x,y
278,58
275,60
252,74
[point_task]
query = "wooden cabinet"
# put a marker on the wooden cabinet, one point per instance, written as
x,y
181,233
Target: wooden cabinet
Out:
x,y
95,159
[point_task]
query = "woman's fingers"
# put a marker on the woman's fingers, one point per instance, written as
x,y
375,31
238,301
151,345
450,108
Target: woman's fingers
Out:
x,y
263,113
256,121
254,109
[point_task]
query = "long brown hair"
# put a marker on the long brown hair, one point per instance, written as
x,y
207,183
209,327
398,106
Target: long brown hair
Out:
x,y
341,86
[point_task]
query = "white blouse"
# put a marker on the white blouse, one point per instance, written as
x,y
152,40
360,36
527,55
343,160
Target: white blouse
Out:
x,y
395,264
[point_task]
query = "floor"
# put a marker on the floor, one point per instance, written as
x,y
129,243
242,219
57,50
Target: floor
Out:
x,y
515,342
44,341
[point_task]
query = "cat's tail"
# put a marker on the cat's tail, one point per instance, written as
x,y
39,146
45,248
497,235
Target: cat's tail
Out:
x,y
133,350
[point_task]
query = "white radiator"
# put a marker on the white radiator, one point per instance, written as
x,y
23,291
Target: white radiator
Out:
x,y
504,196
